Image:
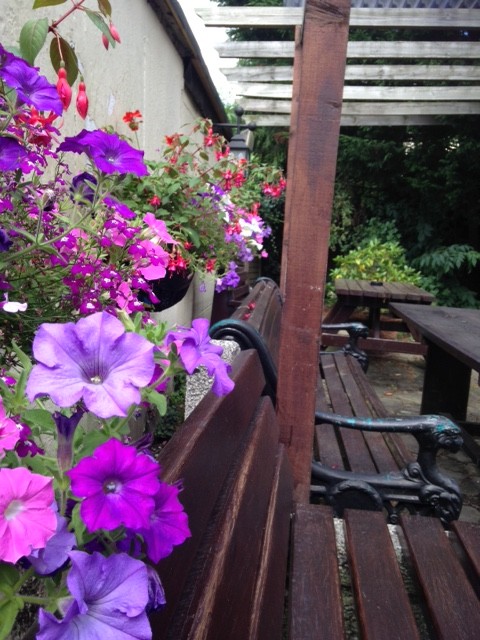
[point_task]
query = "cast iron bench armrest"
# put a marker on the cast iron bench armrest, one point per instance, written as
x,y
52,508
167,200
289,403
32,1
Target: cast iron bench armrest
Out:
x,y
432,433
355,331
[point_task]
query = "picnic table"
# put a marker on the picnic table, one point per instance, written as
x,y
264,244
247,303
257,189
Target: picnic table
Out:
x,y
452,336
354,294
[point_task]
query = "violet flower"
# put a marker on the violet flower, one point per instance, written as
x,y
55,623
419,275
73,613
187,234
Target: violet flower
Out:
x,y
31,87
195,349
168,524
27,517
117,484
55,554
94,359
5,242
107,151
12,154
110,596
65,431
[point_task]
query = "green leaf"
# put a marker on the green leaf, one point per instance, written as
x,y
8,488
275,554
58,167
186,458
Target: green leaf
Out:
x,y
40,418
69,57
8,614
47,3
157,399
32,38
100,23
105,7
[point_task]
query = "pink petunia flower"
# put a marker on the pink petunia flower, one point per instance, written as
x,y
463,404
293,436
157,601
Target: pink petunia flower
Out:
x,y
27,513
9,432
94,359
117,484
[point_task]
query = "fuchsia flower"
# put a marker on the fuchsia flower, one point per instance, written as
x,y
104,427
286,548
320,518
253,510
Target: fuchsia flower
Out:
x,y
27,513
168,524
9,432
195,349
117,485
110,597
95,360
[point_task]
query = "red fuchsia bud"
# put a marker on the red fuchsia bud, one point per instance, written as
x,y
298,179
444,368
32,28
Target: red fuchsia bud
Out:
x,y
64,90
106,42
114,33
82,101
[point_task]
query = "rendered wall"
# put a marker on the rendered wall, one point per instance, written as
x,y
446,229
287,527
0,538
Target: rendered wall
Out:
x,y
144,72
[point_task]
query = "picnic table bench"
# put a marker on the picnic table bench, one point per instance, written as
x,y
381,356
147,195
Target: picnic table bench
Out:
x,y
259,567
361,457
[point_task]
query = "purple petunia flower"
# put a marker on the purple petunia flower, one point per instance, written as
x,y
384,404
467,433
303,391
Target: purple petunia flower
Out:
x,y
94,359
5,242
31,87
195,349
55,554
107,151
117,484
168,524
156,593
12,154
65,431
110,596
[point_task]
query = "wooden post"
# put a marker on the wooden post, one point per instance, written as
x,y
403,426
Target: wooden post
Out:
x,y
319,70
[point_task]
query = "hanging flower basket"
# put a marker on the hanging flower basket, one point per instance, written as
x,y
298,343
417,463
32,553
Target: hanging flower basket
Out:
x,y
171,289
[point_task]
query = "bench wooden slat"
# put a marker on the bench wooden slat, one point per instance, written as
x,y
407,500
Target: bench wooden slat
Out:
x,y
469,536
218,597
359,401
356,450
451,601
383,606
326,446
269,597
189,456
315,609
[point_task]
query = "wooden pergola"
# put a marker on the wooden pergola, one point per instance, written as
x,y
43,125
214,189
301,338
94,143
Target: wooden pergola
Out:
x,y
387,82
315,98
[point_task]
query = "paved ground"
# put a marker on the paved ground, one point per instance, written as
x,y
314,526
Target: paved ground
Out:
x,y
398,380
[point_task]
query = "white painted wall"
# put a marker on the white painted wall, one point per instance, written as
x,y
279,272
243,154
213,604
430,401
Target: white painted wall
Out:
x,y
144,72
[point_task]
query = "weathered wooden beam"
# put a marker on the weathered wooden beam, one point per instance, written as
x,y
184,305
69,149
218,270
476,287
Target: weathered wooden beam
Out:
x,y
358,49
312,155
253,105
283,17
350,92
283,121
391,72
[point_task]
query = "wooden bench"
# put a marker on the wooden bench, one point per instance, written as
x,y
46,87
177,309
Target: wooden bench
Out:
x,y
361,458
258,567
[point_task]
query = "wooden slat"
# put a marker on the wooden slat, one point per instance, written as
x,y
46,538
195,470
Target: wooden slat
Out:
x,y
358,49
390,72
314,134
353,442
283,121
350,92
384,611
278,17
225,569
469,535
315,600
326,447
269,597
451,602
189,455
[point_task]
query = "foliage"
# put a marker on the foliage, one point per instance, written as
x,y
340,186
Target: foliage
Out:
x,y
376,261
209,201
82,507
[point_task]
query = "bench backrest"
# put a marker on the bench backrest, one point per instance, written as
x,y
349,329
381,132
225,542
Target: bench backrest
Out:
x,y
238,496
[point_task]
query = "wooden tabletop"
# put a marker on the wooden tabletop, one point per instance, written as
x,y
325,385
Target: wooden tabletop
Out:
x,y
455,330
388,291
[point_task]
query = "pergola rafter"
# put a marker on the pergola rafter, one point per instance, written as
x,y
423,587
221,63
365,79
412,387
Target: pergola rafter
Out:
x,y
401,82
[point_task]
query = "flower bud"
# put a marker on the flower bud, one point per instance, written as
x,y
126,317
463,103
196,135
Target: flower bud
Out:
x,y
105,41
64,90
82,101
114,33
